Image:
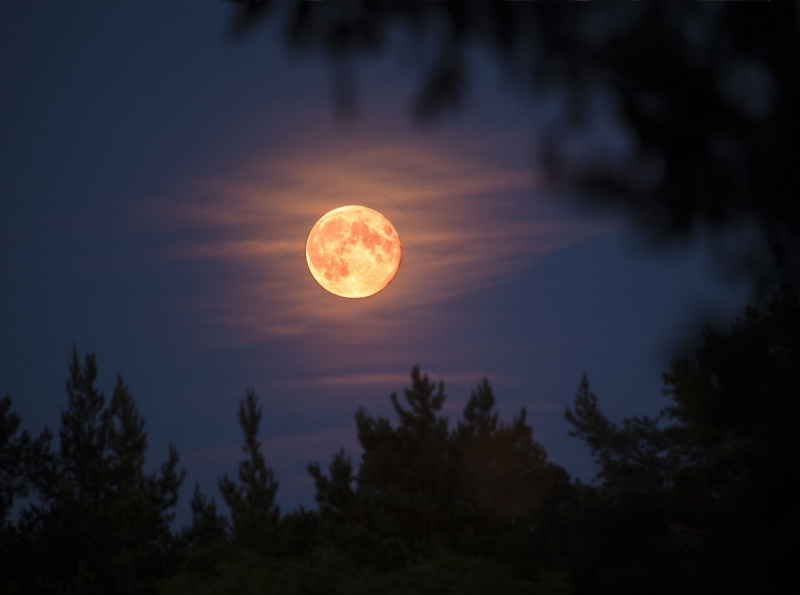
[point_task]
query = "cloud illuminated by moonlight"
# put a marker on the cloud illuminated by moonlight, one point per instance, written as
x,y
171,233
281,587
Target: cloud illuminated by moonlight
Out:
x,y
465,221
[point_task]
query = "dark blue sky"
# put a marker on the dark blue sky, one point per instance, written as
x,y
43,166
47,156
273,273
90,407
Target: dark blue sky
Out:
x,y
158,181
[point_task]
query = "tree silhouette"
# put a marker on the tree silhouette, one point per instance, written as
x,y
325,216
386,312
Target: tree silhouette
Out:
x,y
735,409
340,519
632,459
620,528
24,462
251,500
479,488
697,499
335,494
504,471
706,487
83,435
417,516
99,522
406,476
205,542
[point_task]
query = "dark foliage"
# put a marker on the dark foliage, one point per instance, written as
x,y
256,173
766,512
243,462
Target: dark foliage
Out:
x,y
428,510
24,462
701,499
98,522
697,499
704,93
254,515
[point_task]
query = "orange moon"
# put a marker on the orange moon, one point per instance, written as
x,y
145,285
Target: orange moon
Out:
x,y
353,251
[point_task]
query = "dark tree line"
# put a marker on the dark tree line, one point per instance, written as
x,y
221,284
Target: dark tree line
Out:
x,y
96,523
697,499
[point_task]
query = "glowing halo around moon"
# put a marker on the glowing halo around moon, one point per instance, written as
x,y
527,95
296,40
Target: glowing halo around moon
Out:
x,y
353,251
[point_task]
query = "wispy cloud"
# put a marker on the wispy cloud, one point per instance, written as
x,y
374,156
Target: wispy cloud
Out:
x,y
466,221
468,377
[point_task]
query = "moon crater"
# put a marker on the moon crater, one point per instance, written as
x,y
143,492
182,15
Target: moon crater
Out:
x,y
353,251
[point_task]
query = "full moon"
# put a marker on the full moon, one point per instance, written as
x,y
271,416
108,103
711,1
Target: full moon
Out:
x,y
353,251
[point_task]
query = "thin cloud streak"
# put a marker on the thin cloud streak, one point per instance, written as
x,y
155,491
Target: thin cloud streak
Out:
x,y
465,223
470,377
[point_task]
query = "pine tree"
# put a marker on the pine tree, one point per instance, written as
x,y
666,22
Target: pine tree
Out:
x,y
335,493
83,437
104,521
26,466
480,416
634,458
251,500
205,542
208,526
735,406
340,517
421,485
25,462
407,474
704,491
505,484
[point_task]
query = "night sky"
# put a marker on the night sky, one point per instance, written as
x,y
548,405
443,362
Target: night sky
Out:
x,y
158,180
